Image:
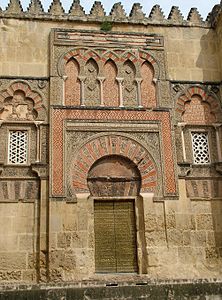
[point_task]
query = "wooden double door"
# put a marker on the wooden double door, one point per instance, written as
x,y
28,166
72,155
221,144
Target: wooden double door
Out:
x,y
115,236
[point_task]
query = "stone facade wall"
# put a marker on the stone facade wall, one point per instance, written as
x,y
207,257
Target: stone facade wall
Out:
x,y
73,96
18,238
192,52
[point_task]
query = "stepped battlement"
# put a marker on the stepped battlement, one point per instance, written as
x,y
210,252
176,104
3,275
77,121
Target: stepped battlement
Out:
x,y
117,14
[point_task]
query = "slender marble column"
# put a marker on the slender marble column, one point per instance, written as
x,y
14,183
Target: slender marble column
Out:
x,y
101,80
181,126
82,83
219,150
120,82
38,140
63,89
139,95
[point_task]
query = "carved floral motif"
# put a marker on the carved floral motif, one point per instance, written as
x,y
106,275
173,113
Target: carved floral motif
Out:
x,y
19,102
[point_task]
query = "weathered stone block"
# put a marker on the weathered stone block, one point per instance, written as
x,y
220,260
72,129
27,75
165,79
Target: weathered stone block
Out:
x,y
183,221
186,238
170,221
185,255
59,259
212,253
64,240
12,261
8,242
175,237
150,222
10,275
157,238
70,223
26,243
80,239
204,222
198,238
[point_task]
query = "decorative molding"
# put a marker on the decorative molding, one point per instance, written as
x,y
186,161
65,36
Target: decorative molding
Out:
x,y
57,142
113,144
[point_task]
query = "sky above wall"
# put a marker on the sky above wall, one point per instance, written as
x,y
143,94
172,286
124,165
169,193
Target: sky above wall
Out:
x,y
204,6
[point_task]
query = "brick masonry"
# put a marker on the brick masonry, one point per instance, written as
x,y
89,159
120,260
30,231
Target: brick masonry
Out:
x,y
60,115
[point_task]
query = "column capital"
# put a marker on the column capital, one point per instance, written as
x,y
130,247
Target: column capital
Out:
x,y
41,169
82,78
120,80
101,79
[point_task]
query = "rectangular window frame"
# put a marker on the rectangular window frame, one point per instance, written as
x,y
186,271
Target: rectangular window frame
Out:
x,y
13,128
208,135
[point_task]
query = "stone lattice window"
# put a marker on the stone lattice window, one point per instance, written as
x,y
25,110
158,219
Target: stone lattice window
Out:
x,y
200,147
18,147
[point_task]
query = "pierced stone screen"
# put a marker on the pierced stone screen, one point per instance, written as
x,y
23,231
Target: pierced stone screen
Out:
x,y
200,148
18,143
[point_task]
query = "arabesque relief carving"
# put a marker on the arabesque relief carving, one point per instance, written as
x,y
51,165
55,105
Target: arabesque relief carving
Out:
x,y
19,102
18,107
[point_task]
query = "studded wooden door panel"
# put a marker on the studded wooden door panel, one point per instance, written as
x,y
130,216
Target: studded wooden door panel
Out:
x,y
115,237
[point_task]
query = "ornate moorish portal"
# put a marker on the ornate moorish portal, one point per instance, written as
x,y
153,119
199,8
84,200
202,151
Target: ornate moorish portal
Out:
x,y
111,145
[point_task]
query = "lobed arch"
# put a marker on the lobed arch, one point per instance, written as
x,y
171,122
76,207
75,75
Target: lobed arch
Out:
x,y
207,98
86,53
110,84
29,94
145,56
72,87
75,52
106,145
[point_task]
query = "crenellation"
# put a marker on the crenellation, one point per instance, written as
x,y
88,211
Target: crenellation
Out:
x,y
118,13
213,16
97,14
175,15
35,7
14,7
157,14
194,17
76,9
136,13
97,10
56,8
